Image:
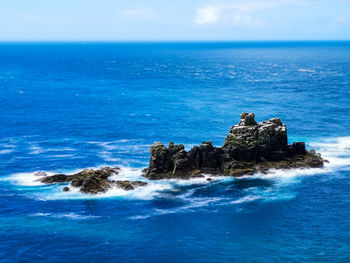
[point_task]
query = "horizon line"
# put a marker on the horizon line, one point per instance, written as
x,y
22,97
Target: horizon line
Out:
x,y
172,41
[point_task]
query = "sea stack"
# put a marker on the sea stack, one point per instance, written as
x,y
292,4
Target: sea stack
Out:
x,y
249,147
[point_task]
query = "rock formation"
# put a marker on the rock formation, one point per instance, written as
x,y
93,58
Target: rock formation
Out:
x,y
92,181
249,147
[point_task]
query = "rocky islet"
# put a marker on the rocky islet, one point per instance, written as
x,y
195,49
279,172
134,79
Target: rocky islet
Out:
x,y
92,181
249,148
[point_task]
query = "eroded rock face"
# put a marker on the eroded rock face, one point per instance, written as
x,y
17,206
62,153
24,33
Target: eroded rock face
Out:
x,y
249,140
92,181
249,147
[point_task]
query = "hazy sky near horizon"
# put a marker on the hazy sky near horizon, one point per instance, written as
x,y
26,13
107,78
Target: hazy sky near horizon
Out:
x,y
159,20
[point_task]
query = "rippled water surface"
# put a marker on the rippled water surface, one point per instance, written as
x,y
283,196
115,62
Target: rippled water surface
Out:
x,y
66,107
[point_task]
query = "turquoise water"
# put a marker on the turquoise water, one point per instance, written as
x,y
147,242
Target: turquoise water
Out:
x,y
66,107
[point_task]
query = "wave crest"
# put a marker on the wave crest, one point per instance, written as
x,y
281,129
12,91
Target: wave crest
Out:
x,y
195,193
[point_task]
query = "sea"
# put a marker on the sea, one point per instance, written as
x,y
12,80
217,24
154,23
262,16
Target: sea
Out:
x,y
65,107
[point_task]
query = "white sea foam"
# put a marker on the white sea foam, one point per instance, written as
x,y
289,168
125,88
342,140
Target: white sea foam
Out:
x,y
289,174
198,180
6,151
64,149
138,217
74,216
26,179
151,190
245,199
192,205
107,156
33,178
306,70
65,156
337,151
147,192
7,145
113,150
35,150
340,145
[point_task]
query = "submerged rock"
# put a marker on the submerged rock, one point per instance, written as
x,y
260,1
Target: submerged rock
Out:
x,y
40,174
92,181
127,185
249,147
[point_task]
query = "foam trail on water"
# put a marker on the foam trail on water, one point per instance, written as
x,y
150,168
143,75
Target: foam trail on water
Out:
x,y
74,216
335,150
6,151
245,199
55,192
26,179
192,205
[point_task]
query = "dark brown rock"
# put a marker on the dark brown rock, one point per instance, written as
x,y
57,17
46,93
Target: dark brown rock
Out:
x,y
249,147
57,178
139,183
94,185
127,185
250,140
89,180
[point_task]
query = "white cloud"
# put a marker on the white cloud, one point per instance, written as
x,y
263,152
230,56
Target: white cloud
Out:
x,y
207,15
237,13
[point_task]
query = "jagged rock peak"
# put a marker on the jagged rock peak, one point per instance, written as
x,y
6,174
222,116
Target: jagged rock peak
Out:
x,y
249,147
271,134
247,119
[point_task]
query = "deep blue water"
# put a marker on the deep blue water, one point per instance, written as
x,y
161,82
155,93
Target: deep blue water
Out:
x,y
65,107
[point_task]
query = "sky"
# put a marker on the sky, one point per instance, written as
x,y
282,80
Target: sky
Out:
x,y
177,20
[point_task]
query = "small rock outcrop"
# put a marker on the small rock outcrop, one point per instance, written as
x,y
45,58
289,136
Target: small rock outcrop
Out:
x,y
92,181
127,185
249,147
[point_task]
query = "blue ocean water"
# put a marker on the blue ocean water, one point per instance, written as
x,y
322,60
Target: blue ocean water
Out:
x,y
70,106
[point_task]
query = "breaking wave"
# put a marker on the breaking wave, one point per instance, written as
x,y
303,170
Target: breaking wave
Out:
x,y
193,194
